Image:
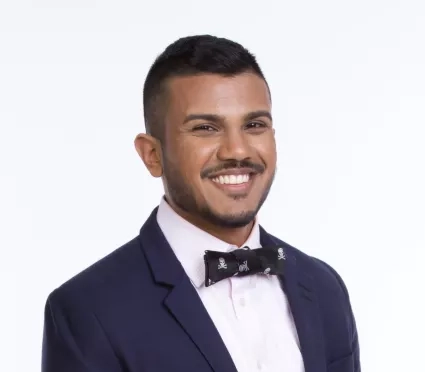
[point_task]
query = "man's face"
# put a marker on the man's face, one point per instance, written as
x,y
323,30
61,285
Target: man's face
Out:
x,y
219,153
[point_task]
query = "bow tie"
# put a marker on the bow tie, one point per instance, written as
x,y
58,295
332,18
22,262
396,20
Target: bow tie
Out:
x,y
242,262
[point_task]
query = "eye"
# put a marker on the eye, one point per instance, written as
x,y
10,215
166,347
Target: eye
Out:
x,y
204,128
256,125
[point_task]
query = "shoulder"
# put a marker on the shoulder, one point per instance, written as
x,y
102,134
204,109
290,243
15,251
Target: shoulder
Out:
x,y
94,284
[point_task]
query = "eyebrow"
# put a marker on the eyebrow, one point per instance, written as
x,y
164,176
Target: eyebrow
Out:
x,y
212,117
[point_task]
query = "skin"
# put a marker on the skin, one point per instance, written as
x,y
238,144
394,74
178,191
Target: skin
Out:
x,y
214,123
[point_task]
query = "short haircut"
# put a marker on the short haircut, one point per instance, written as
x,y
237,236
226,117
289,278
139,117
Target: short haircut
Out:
x,y
189,56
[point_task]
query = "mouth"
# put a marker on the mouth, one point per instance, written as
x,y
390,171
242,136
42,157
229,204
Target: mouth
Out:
x,y
234,183
232,179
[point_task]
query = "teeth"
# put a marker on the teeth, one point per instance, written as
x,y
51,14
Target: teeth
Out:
x,y
232,179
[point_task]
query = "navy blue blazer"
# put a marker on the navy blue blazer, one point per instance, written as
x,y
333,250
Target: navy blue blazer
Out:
x,y
136,310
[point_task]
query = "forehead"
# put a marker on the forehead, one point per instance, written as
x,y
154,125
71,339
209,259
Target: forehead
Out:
x,y
212,93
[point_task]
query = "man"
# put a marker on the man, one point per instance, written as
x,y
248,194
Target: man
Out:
x,y
204,287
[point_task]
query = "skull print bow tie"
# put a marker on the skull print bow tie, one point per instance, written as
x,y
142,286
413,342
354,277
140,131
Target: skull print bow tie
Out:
x,y
242,262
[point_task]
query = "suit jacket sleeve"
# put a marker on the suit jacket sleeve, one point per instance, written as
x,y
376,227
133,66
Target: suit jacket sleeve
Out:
x,y
352,322
74,341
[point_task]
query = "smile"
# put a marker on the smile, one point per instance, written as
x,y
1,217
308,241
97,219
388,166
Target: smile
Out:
x,y
232,179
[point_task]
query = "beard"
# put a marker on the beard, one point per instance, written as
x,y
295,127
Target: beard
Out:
x,y
183,195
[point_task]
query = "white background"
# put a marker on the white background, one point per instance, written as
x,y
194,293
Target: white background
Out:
x,y
348,86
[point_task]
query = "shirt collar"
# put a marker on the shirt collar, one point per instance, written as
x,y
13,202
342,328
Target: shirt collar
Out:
x,y
190,242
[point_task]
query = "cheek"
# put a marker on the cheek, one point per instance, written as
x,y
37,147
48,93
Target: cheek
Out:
x,y
196,157
266,150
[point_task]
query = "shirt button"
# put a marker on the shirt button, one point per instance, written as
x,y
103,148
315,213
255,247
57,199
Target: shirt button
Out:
x,y
242,302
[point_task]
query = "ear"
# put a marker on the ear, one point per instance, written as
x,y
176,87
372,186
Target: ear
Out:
x,y
149,150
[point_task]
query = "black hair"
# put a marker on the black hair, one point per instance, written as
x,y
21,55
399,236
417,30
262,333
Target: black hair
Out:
x,y
187,56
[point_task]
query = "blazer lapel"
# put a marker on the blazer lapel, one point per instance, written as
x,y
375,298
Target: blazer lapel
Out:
x,y
182,300
184,303
298,287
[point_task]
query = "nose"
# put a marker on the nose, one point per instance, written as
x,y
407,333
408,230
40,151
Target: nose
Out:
x,y
234,146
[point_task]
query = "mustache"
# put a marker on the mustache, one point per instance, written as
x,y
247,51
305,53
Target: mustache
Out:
x,y
233,164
